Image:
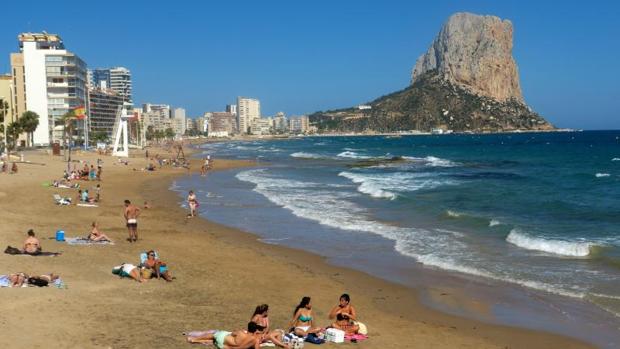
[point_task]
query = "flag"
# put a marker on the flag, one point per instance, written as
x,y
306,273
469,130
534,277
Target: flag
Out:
x,y
80,112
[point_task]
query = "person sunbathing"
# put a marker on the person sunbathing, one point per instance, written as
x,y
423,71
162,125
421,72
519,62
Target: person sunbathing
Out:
x,y
261,317
302,323
240,339
344,307
31,244
343,322
96,234
128,270
159,268
17,279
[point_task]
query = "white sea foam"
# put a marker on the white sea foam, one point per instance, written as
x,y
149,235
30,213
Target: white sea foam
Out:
x,y
558,247
439,248
368,186
432,161
615,159
304,155
494,222
454,214
352,155
599,175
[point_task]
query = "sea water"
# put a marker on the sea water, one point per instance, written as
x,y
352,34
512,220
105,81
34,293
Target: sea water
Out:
x,y
540,211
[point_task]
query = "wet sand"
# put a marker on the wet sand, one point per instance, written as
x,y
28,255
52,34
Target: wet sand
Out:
x,y
222,274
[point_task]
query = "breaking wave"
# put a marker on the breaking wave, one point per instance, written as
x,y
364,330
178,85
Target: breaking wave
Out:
x,y
558,247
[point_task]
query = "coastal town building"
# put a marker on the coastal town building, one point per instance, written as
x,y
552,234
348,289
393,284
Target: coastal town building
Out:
x,y
179,121
104,105
48,80
222,124
261,126
299,124
248,110
117,79
156,116
280,123
231,108
6,99
190,124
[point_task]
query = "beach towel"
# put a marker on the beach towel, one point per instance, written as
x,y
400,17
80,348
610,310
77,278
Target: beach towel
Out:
x,y
61,201
17,252
78,240
355,337
88,205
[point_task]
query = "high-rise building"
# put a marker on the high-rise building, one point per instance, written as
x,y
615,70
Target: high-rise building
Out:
x,y
179,123
231,108
104,104
48,80
248,110
157,116
117,79
190,124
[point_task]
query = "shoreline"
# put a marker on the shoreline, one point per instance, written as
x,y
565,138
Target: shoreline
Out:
x,y
467,296
215,288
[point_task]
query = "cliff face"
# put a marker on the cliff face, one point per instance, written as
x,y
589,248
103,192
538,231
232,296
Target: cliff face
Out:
x,y
466,81
474,52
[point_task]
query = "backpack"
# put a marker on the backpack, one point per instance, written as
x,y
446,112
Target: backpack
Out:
x,y
37,281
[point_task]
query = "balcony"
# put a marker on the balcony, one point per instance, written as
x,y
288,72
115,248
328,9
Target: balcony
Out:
x,y
57,84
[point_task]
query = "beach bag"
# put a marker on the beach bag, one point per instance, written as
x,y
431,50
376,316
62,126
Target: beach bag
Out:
x,y
362,328
146,273
12,250
293,341
314,339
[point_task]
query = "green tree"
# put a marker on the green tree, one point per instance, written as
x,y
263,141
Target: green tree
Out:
x,y
13,131
100,136
29,122
4,107
150,133
169,133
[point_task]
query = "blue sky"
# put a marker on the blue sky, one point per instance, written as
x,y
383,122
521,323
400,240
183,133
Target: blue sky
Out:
x,y
299,57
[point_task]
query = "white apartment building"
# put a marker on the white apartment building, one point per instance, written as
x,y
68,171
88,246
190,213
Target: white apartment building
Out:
x,y
248,109
261,126
179,121
280,123
231,108
50,81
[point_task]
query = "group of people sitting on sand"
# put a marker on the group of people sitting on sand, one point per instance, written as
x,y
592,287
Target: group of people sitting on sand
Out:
x,y
83,196
150,267
86,173
301,327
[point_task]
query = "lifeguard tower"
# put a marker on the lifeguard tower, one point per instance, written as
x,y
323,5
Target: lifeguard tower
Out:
x,y
120,130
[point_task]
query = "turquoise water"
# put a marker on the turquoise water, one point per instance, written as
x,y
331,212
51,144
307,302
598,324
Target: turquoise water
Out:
x,y
538,210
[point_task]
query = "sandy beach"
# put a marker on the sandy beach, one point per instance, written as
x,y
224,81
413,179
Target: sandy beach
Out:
x,y
221,274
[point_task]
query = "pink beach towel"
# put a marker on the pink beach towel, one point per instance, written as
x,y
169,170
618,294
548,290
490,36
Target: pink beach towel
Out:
x,y
358,337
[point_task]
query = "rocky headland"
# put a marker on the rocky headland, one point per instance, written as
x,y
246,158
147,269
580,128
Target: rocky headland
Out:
x,y
466,81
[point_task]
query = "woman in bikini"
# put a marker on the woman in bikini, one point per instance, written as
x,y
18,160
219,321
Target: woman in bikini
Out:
x,y
344,307
97,235
302,323
159,268
261,318
192,203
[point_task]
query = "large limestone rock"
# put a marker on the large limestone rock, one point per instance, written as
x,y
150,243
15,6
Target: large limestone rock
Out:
x,y
475,53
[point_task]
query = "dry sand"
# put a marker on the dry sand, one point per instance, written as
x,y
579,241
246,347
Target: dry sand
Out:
x,y
222,274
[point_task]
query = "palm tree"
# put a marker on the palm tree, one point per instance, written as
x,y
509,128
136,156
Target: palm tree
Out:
x,y
169,133
4,106
68,121
13,131
29,121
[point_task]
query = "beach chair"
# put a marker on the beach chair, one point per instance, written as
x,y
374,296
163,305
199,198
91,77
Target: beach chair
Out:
x,y
61,201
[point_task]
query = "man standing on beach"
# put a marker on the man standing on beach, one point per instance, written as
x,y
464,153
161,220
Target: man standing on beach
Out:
x,y
131,217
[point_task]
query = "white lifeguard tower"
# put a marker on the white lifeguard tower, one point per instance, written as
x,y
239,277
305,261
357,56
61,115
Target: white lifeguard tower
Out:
x,y
120,130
